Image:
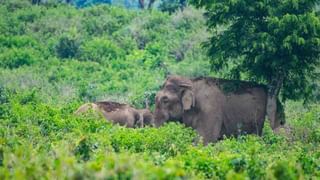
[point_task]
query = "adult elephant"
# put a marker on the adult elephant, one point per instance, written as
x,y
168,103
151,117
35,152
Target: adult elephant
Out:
x,y
117,113
213,107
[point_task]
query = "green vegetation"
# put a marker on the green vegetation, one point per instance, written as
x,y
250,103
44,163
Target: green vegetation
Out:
x,y
98,52
41,140
55,57
275,42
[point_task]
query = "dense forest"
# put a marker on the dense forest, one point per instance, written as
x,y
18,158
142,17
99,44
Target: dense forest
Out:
x,y
57,55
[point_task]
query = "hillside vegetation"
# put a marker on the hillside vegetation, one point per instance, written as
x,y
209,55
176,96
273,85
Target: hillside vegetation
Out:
x,y
55,57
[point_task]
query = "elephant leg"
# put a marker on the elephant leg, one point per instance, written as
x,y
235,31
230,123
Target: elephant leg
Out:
x,y
130,122
141,120
138,119
216,130
210,129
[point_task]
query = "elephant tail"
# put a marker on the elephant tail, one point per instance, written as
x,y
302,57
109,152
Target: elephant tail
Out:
x,y
85,107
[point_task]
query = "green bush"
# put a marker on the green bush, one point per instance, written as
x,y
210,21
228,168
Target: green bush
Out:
x,y
172,5
86,147
67,47
283,170
55,57
17,57
305,126
100,50
168,140
14,5
18,42
105,20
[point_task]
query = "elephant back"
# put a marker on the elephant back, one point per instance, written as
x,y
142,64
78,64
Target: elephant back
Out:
x,y
110,106
231,86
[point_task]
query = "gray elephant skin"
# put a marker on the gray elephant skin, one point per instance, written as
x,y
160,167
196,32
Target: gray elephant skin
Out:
x,y
213,107
117,113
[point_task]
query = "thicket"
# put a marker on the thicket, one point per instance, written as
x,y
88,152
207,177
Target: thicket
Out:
x,y
41,140
97,52
54,58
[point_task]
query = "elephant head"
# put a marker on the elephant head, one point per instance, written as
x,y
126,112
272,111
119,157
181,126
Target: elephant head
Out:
x,y
175,97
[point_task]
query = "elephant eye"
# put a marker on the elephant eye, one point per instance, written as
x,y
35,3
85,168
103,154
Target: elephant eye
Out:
x,y
165,100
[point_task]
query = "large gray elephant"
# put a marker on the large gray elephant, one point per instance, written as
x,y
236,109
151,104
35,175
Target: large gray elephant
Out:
x,y
213,107
122,114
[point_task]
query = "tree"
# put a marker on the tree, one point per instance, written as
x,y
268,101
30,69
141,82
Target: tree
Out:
x,y
276,42
85,3
35,1
172,5
142,6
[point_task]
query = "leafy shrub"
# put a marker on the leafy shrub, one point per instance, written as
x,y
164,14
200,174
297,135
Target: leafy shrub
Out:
x,y
14,5
4,99
283,170
188,19
84,3
105,20
100,50
125,42
67,46
305,125
88,147
172,5
3,95
29,14
124,56
14,58
18,42
147,28
168,140
309,162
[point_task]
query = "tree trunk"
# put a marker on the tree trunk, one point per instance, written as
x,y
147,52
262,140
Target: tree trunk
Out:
x,y
37,2
146,103
273,92
183,4
151,3
141,4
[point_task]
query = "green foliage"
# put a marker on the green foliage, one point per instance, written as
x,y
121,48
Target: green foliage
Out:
x,y
13,5
54,57
100,50
267,41
14,58
83,3
58,49
167,141
172,5
306,125
17,51
51,141
102,20
67,47
18,42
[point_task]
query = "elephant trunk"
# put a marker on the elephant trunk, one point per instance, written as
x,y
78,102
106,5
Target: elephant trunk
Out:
x,y
160,117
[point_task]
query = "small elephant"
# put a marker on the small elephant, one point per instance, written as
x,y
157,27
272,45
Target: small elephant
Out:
x,y
146,118
122,114
214,107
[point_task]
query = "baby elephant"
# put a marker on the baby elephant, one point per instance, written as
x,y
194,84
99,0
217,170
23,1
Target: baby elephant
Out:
x,y
122,114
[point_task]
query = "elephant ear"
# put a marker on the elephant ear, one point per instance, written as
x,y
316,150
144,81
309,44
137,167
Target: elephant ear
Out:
x,y
187,100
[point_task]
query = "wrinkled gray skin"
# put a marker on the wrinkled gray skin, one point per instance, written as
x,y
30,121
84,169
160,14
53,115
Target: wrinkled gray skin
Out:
x,y
212,111
121,114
